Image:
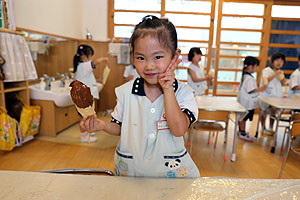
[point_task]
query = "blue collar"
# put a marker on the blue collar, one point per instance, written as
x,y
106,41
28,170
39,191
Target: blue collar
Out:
x,y
138,87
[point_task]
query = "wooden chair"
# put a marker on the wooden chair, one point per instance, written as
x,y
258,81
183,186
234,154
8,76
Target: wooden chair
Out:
x,y
294,130
208,120
86,171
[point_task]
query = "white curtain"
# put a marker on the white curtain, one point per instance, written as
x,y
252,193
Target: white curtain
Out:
x,y
19,65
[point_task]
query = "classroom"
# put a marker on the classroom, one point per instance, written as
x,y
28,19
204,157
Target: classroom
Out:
x,y
159,99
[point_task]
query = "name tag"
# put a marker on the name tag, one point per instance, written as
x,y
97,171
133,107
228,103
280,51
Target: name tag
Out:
x,y
162,125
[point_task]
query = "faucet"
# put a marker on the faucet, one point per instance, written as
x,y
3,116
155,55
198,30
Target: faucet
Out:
x,y
48,81
62,77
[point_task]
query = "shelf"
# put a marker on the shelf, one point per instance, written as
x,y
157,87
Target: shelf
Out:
x,y
15,89
11,31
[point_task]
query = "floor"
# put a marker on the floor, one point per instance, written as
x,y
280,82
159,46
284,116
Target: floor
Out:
x,y
254,160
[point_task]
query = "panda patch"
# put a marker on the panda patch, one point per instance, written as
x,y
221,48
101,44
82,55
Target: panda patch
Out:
x,y
173,164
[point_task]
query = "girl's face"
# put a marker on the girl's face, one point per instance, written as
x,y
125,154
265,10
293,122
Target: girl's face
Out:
x,y
196,58
278,63
252,68
150,59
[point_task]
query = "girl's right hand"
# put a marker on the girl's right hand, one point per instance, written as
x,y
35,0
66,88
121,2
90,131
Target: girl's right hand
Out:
x,y
278,72
263,88
92,124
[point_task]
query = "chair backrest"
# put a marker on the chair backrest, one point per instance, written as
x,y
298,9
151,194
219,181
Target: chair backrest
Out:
x,y
213,115
83,171
295,124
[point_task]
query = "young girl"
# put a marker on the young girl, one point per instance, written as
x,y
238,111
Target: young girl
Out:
x,y
154,111
130,73
83,69
275,80
196,76
248,94
294,86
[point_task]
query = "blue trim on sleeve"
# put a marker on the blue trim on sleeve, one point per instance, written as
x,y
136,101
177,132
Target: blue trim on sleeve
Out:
x,y
116,121
190,114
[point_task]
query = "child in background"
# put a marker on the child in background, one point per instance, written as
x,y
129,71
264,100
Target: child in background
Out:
x,y
248,94
274,78
130,73
196,75
83,69
154,111
294,86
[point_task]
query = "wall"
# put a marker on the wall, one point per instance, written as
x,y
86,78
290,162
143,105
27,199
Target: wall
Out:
x,y
95,18
63,17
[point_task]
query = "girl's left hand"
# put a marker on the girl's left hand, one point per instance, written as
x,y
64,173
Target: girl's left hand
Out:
x,y
167,78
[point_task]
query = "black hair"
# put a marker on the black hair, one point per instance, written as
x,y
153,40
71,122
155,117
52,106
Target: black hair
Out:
x,y
276,56
192,53
162,29
299,57
82,49
249,60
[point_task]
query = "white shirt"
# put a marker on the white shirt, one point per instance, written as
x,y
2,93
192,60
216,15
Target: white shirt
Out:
x,y
246,99
294,81
274,88
84,73
130,70
144,149
199,87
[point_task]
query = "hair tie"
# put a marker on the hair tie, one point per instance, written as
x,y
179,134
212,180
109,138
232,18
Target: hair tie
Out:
x,y
148,17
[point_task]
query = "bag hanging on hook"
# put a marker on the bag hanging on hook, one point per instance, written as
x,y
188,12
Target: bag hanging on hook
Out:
x,y
8,130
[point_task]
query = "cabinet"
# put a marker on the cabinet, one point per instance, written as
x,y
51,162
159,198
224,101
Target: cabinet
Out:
x,y
20,87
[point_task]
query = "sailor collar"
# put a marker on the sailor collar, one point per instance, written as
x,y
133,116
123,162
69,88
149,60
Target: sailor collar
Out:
x,y
138,87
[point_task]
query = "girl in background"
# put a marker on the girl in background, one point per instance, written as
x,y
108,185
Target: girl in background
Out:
x,y
83,69
275,80
294,86
196,75
130,73
154,111
248,94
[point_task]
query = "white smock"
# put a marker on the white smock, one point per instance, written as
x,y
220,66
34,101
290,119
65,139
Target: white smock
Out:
x,y
198,87
84,73
245,98
294,82
147,147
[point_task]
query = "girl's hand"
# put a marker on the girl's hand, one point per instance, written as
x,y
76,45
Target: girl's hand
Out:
x,y
92,124
263,88
105,60
278,72
167,78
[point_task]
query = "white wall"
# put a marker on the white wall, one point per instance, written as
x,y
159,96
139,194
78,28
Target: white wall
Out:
x,y
63,17
95,18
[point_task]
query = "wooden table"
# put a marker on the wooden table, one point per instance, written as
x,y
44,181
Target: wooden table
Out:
x,y
223,104
280,104
44,186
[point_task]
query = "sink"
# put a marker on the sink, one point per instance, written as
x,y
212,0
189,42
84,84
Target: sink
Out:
x,y
60,95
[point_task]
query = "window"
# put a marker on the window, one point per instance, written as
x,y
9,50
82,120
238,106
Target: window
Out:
x,y
225,36
191,18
